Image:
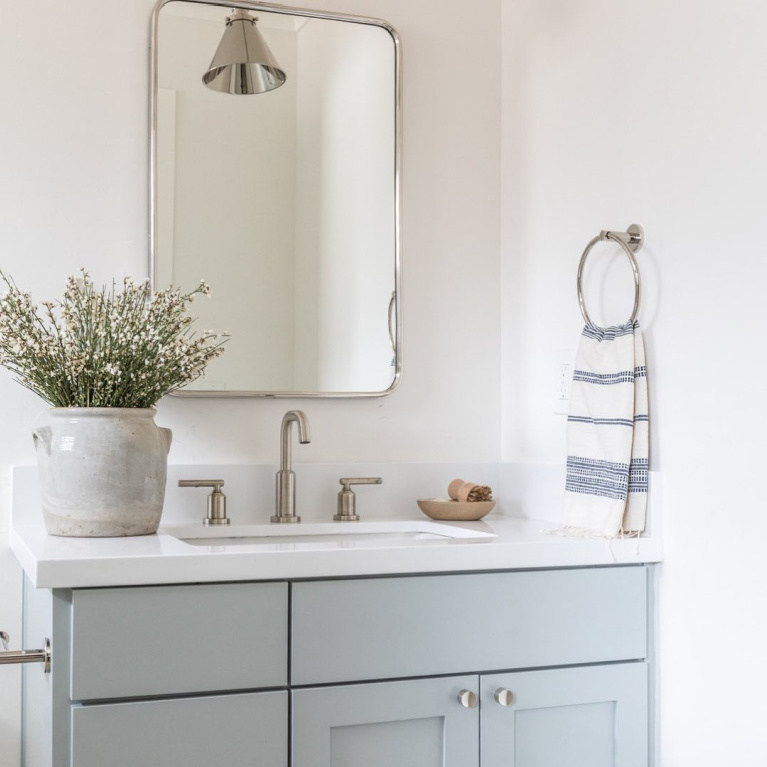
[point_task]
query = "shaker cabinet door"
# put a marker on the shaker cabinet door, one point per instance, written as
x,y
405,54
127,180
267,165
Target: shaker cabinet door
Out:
x,y
592,716
244,730
419,723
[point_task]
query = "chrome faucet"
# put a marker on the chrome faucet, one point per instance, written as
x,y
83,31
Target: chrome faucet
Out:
x,y
285,508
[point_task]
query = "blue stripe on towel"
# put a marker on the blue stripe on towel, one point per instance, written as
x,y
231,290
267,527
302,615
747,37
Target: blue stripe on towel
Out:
x,y
639,475
604,379
601,421
608,334
640,372
596,477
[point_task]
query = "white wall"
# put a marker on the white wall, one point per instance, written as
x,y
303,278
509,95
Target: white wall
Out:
x,y
656,113
73,191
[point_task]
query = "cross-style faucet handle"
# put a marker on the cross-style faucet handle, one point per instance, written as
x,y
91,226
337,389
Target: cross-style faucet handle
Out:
x,y
347,511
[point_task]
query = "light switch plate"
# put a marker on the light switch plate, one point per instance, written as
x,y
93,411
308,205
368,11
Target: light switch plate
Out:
x,y
564,381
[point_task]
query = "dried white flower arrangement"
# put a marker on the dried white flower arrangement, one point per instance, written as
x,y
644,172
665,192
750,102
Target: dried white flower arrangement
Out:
x,y
104,348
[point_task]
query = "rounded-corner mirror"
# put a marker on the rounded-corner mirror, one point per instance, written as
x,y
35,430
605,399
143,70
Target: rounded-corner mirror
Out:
x,y
285,200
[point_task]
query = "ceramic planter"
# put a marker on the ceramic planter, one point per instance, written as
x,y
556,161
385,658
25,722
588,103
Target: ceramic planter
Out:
x,y
102,471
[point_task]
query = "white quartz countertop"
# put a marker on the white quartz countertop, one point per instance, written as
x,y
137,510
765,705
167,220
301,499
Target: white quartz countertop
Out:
x,y
52,562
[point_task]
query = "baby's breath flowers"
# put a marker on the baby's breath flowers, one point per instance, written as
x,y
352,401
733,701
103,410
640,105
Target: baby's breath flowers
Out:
x,y
107,348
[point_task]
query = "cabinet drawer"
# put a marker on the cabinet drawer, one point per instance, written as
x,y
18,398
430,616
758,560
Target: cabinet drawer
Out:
x,y
160,640
233,730
420,626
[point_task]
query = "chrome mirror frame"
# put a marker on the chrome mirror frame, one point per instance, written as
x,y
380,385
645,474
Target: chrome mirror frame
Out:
x,y
395,312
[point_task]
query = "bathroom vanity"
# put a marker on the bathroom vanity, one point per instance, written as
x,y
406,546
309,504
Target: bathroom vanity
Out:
x,y
521,649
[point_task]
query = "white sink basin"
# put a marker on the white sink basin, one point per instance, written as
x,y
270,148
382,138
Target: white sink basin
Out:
x,y
326,535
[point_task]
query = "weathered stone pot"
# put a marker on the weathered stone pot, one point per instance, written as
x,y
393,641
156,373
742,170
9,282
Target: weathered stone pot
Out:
x,y
102,471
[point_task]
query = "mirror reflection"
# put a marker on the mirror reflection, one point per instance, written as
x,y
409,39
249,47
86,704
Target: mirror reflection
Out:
x,y
283,198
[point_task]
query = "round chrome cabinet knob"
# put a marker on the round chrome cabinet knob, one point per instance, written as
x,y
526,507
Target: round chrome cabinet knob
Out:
x,y
467,698
504,697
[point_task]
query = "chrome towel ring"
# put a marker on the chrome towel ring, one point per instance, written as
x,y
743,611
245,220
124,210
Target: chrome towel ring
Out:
x,y
631,241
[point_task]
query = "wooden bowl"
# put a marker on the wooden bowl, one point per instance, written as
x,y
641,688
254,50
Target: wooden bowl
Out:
x,y
455,510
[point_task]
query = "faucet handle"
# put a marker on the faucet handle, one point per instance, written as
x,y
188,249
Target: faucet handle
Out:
x,y
346,481
216,499
347,500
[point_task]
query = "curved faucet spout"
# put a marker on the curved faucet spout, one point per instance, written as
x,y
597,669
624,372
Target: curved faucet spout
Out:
x,y
302,422
285,510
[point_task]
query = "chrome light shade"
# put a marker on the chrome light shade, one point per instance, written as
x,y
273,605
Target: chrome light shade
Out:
x,y
243,63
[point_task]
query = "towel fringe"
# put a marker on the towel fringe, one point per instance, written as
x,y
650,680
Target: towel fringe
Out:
x,y
571,531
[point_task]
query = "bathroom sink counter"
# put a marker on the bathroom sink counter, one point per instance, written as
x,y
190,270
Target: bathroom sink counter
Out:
x,y
52,562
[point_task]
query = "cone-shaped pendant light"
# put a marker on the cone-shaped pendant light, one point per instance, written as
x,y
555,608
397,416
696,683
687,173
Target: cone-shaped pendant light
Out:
x,y
243,63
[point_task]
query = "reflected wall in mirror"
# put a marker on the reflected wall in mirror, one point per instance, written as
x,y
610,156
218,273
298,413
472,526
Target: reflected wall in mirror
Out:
x,y
285,202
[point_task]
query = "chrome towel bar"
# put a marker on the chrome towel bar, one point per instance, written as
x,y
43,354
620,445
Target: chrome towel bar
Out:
x,y
631,241
25,656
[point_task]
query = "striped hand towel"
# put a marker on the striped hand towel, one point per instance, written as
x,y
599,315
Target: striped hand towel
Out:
x,y
607,434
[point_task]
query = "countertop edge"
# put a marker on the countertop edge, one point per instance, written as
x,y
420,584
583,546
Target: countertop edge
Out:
x,y
521,544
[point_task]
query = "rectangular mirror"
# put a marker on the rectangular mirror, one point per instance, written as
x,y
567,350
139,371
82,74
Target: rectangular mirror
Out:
x,y
286,202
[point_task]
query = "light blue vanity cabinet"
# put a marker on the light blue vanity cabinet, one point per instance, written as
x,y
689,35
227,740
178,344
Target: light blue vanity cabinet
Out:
x,y
537,668
582,633
157,676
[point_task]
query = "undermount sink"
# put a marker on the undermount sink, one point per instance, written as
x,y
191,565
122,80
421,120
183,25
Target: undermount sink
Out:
x,y
327,535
